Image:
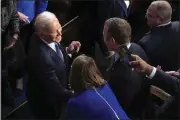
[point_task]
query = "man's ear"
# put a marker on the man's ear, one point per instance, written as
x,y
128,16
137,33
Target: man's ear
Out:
x,y
41,36
160,21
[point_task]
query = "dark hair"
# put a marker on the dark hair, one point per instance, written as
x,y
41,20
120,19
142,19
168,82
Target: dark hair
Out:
x,y
119,29
84,74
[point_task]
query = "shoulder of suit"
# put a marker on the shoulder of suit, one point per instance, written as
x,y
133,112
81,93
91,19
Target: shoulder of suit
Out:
x,y
148,33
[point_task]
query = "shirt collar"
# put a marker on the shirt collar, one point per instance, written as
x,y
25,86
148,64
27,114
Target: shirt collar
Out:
x,y
51,45
164,24
128,45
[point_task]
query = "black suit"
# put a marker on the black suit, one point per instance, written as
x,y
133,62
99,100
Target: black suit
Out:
x,y
129,86
48,74
161,45
171,85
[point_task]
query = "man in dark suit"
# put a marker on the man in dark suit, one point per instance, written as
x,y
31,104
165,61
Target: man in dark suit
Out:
x,y
128,86
168,83
47,64
161,44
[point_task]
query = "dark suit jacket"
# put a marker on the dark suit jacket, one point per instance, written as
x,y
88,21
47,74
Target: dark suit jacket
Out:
x,y
129,86
112,8
161,45
48,74
171,85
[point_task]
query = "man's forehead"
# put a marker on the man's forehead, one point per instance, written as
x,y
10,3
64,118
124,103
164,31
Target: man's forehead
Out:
x,y
151,9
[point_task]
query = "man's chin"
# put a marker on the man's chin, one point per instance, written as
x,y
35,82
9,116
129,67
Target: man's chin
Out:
x,y
58,41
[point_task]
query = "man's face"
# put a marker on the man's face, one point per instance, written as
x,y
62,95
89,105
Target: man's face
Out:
x,y
152,17
110,42
54,32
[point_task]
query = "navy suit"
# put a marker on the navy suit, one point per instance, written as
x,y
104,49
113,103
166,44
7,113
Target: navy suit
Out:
x,y
161,45
48,74
129,86
88,105
171,85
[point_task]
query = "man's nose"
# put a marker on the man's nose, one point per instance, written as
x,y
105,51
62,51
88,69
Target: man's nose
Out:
x,y
59,32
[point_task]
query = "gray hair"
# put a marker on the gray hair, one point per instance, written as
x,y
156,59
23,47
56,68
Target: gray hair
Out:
x,y
43,21
164,10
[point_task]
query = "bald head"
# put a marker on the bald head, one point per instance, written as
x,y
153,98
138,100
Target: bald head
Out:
x,y
48,27
163,9
43,21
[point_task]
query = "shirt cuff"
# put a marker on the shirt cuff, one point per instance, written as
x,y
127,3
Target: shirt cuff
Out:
x,y
152,73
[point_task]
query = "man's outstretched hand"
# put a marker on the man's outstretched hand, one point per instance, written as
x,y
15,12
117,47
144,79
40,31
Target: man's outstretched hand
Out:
x,y
74,47
140,65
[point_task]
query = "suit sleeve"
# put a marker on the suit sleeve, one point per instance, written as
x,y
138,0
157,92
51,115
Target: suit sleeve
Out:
x,y
47,77
41,6
166,82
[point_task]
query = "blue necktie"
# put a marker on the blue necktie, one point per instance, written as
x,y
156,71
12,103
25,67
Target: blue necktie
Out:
x,y
58,51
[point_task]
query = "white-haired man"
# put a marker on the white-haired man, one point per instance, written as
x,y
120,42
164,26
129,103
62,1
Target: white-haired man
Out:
x,y
47,65
161,44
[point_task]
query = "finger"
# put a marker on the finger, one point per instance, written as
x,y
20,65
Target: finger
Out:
x,y
134,63
24,20
135,57
77,50
158,67
169,72
78,43
10,46
27,20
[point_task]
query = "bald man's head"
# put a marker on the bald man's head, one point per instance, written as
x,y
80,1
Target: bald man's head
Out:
x,y
43,21
48,27
159,12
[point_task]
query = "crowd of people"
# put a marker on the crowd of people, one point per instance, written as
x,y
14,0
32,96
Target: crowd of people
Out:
x,y
59,86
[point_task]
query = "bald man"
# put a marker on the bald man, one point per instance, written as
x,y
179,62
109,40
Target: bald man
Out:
x,y
48,68
161,44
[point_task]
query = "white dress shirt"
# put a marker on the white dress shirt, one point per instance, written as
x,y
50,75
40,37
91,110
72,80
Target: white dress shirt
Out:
x,y
128,45
127,3
164,24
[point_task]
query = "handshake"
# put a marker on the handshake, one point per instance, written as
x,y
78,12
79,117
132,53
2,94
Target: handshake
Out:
x,y
140,65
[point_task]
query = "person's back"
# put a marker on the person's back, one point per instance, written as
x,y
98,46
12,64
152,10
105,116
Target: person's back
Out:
x,y
94,98
91,105
162,46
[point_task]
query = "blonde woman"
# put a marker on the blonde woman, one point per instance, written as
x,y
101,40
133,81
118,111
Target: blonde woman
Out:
x,y
94,99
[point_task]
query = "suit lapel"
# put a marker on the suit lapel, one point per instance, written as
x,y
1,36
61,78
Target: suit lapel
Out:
x,y
123,5
129,8
55,58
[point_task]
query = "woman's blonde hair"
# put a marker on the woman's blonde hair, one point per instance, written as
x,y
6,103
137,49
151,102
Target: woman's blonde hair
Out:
x,y
84,74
